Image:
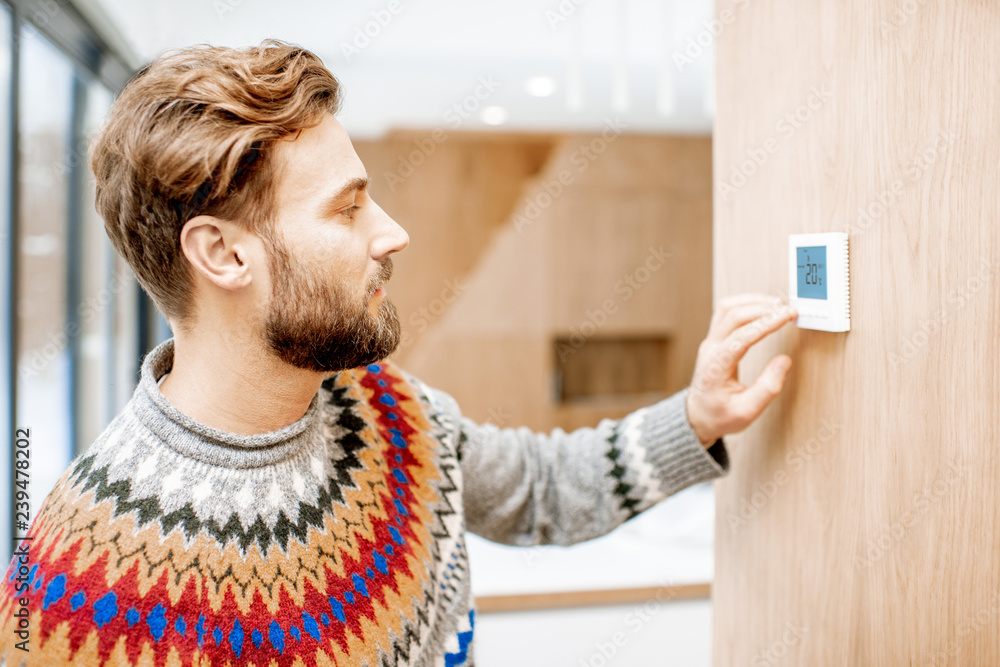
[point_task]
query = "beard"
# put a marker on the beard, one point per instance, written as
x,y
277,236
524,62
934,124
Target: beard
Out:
x,y
326,328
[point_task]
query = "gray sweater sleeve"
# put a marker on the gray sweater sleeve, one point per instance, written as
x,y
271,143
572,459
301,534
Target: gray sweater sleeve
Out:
x,y
524,488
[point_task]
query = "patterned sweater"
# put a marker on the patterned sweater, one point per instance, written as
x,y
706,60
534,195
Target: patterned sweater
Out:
x,y
338,539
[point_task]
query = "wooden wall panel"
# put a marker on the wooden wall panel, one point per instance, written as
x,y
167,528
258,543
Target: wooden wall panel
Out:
x,y
551,270
451,192
861,522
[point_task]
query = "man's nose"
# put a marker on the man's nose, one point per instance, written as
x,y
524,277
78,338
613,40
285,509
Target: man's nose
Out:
x,y
391,238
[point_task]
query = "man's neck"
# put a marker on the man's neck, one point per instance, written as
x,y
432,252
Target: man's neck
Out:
x,y
238,388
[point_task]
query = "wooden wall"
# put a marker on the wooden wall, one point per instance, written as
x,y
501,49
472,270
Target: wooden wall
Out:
x,y
451,192
545,236
861,522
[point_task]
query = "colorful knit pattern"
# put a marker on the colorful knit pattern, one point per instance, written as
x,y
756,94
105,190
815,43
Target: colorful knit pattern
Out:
x,y
331,551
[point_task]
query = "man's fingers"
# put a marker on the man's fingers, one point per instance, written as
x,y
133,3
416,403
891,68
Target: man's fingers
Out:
x,y
748,404
732,318
741,340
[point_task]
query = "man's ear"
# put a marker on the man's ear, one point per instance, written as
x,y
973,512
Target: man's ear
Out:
x,y
217,249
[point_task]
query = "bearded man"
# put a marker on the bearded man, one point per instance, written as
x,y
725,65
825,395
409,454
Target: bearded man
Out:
x,y
276,492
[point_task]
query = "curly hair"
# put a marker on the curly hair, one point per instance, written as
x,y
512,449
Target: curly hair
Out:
x,y
192,133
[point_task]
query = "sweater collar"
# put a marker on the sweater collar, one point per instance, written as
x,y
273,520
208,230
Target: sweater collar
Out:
x,y
214,446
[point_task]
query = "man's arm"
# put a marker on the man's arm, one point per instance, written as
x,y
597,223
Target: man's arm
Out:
x,y
523,487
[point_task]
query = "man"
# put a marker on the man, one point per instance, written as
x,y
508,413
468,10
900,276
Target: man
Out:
x,y
275,492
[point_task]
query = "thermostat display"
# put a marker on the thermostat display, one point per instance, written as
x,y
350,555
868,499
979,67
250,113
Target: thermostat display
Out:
x,y
811,270
819,281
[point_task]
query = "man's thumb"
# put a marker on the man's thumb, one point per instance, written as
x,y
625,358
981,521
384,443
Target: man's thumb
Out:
x,y
777,371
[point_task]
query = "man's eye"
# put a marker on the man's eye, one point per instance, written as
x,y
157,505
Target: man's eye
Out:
x,y
349,212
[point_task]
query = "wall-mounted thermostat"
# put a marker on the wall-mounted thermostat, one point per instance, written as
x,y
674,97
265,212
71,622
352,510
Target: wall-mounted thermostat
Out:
x,y
819,283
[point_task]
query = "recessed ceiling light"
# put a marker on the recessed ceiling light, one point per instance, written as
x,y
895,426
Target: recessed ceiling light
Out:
x,y
494,115
540,86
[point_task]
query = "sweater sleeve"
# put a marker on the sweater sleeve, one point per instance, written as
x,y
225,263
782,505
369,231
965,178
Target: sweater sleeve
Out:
x,y
524,488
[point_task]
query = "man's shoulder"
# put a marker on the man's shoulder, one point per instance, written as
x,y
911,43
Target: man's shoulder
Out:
x,y
117,441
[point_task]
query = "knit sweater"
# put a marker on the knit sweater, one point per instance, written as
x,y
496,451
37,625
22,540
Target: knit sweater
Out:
x,y
338,539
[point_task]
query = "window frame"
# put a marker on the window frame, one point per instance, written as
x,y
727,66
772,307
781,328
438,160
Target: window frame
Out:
x,y
94,55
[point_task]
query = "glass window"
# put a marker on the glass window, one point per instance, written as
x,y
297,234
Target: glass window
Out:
x,y
126,332
6,454
96,395
43,354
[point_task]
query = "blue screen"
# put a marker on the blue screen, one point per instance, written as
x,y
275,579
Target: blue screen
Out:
x,y
811,271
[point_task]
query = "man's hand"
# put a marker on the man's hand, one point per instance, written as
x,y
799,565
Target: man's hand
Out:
x,y
717,403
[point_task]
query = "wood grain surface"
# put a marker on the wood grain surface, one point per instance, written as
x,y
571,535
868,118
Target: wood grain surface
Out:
x,y
861,522
611,238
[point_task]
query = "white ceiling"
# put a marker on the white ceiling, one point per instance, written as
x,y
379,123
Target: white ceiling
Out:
x,y
432,54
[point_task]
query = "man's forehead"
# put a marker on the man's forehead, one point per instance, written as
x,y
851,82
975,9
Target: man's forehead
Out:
x,y
316,161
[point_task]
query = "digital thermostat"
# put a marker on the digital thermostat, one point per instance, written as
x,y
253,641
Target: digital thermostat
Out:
x,y
819,283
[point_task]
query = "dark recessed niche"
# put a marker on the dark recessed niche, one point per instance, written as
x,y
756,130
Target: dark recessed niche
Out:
x,y
610,367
